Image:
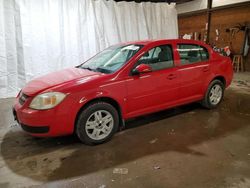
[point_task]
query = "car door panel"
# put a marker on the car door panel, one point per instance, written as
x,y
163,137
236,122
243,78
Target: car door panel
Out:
x,y
192,79
151,93
194,68
140,92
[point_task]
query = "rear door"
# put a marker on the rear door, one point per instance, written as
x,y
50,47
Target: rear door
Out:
x,y
194,68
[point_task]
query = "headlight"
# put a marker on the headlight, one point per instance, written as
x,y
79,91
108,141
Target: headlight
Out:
x,y
47,100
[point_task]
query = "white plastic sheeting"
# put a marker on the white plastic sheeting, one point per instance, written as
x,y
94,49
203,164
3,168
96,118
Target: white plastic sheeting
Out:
x,y
37,37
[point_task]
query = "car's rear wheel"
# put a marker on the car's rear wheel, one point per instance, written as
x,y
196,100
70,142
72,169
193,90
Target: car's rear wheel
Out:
x,y
97,123
214,94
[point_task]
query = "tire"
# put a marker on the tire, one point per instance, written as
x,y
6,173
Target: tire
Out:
x,y
97,123
214,94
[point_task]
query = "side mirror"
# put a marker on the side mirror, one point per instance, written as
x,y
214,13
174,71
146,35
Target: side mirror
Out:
x,y
142,68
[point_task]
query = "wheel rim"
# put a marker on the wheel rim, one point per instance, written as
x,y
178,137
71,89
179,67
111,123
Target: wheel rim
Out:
x,y
99,125
215,94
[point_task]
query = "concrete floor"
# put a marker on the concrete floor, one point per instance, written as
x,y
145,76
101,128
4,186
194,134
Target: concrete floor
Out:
x,y
183,147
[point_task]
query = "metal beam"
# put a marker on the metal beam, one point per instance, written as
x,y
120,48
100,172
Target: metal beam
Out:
x,y
209,7
157,1
242,4
203,11
192,13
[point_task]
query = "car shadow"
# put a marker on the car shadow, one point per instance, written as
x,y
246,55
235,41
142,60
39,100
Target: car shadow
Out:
x,y
177,130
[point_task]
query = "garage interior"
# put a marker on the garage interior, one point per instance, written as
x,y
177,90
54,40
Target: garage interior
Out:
x,y
186,146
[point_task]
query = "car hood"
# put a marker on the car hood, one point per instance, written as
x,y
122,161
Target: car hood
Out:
x,y
58,78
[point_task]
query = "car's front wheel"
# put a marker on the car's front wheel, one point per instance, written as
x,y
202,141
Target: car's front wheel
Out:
x,y
214,94
97,123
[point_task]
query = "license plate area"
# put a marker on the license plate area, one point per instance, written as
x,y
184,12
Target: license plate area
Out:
x,y
15,115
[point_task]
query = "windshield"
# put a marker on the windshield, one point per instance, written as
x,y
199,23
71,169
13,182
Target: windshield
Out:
x,y
111,59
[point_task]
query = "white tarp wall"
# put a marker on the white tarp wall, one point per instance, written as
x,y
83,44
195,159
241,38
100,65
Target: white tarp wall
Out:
x,y
37,37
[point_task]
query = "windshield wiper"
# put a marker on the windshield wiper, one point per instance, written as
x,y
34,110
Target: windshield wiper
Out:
x,y
103,70
88,68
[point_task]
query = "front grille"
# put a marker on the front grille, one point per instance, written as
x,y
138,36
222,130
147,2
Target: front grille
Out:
x,y
23,98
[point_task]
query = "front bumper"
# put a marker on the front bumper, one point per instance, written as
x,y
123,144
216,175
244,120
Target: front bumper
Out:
x,y
43,123
30,129
35,130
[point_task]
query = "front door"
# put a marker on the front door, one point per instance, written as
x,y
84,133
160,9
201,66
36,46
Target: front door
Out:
x,y
153,91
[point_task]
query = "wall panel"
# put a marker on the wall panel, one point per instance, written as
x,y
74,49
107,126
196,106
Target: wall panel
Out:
x,y
221,20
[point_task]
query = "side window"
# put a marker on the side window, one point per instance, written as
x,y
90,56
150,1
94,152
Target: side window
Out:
x,y
148,55
190,53
204,54
158,58
157,50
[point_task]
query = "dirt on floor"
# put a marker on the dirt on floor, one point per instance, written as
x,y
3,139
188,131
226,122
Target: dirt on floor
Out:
x,y
187,146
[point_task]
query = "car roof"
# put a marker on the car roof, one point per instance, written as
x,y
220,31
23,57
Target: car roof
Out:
x,y
146,42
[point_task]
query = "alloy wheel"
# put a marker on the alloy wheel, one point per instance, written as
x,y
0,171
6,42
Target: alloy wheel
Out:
x,y
99,125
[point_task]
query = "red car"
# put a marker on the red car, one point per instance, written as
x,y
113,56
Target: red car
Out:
x,y
121,82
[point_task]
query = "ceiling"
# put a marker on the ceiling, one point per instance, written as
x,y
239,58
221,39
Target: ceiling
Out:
x,y
157,1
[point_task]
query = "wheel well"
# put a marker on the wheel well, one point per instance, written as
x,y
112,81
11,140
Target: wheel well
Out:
x,y
102,99
222,79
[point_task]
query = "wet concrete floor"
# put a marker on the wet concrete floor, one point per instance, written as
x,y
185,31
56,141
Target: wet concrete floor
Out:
x,y
187,146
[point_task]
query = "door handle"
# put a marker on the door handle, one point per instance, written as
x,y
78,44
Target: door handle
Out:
x,y
171,76
205,69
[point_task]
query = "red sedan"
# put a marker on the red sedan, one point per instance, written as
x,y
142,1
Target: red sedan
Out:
x,y
121,82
